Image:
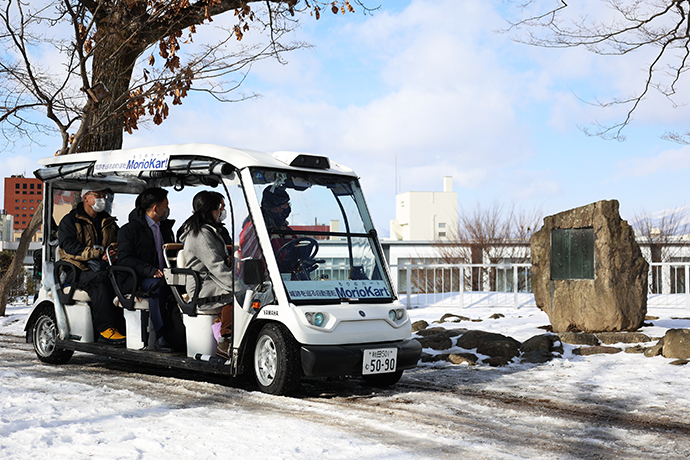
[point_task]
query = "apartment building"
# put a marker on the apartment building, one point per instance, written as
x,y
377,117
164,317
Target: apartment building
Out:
x,y
426,216
22,196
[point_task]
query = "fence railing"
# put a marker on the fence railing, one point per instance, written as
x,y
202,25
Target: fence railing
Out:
x,y
501,285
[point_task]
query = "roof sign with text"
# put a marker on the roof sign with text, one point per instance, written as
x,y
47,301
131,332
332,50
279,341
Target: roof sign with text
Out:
x,y
135,162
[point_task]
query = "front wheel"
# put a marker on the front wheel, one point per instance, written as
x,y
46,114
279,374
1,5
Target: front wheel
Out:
x,y
45,335
382,380
276,360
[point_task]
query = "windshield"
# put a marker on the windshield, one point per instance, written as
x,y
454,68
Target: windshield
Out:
x,y
322,236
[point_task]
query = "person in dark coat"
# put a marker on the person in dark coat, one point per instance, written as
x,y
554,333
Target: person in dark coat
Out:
x,y
140,246
275,208
84,235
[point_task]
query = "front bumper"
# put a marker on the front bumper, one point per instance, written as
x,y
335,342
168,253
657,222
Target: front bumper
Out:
x,y
335,360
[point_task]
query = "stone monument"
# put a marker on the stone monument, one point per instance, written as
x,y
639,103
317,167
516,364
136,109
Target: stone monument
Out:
x,y
588,273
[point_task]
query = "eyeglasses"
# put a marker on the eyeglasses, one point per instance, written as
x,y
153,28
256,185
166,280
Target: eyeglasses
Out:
x,y
97,195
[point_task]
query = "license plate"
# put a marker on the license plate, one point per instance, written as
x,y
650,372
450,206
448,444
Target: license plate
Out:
x,y
380,361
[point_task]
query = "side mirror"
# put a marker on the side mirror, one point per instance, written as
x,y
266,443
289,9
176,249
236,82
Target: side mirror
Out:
x,y
253,271
38,264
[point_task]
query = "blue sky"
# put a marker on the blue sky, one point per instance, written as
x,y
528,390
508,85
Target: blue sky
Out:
x,y
431,86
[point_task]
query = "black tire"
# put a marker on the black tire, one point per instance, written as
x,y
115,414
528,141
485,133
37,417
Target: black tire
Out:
x,y
276,360
382,380
44,335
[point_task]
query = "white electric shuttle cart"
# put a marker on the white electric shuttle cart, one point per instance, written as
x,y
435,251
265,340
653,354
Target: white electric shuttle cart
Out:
x,y
332,312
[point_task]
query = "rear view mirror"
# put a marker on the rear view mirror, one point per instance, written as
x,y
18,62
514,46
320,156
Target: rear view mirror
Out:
x,y
253,271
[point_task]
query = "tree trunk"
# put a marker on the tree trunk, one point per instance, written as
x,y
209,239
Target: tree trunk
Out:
x,y
113,64
17,262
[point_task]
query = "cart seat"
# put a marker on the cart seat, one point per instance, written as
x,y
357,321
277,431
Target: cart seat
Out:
x,y
177,276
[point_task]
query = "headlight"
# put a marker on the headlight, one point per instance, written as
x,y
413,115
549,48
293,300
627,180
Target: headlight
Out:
x,y
397,314
316,319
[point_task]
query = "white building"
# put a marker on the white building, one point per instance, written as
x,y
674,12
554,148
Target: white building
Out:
x,y
426,216
6,226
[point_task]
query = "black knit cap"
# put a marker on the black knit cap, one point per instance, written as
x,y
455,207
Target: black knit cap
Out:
x,y
273,197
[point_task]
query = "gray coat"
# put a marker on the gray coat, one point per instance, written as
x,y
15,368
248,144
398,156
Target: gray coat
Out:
x,y
207,254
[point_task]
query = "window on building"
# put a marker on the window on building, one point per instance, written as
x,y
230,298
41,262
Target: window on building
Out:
x,y
16,185
441,234
38,186
24,192
441,225
31,186
24,185
31,192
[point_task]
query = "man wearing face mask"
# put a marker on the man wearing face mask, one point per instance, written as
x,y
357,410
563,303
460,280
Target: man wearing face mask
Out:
x,y
275,207
140,246
84,235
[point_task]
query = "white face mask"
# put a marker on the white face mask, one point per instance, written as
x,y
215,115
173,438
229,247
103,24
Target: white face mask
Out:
x,y
99,204
222,216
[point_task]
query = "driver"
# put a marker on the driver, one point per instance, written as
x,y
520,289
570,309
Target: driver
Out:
x,y
275,207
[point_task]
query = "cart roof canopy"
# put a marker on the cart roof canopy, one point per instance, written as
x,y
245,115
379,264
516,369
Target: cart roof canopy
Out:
x,y
178,165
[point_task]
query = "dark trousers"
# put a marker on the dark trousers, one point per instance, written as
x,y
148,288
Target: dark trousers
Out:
x,y
103,312
157,303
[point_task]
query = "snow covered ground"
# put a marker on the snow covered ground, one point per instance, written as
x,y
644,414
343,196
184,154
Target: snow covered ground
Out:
x,y
83,410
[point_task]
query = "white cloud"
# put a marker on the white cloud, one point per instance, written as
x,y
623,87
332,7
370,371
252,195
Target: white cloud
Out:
x,y
666,161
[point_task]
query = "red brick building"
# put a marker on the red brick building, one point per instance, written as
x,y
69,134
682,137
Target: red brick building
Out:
x,y
312,228
22,196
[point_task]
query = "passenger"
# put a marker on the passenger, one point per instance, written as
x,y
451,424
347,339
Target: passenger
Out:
x,y
83,235
140,246
207,254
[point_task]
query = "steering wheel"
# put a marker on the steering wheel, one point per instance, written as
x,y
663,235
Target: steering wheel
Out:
x,y
297,256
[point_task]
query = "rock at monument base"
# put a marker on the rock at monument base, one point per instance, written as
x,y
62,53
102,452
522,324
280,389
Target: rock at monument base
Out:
x,y
419,325
609,338
461,358
676,344
654,350
579,338
596,350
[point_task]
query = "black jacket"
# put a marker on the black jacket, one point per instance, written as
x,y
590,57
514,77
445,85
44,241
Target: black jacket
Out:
x,y
136,246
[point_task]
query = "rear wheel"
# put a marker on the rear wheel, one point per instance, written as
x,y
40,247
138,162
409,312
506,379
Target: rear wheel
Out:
x,y
276,360
382,380
44,337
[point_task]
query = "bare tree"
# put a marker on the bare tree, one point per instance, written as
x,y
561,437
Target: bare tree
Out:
x,y
662,235
627,26
122,62
493,234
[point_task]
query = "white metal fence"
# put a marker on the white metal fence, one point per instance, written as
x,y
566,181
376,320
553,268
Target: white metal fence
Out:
x,y
501,285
